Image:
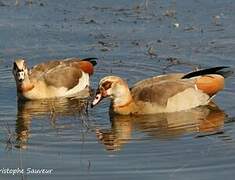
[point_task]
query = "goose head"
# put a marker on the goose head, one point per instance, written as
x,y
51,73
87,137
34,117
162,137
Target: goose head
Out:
x,y
113,87
20,71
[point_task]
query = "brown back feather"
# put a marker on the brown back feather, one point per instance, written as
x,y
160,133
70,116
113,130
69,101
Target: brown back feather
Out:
x,y
60,73
63,77
160,92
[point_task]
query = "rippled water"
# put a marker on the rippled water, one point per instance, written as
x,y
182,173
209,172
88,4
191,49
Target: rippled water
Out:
x,y
134,40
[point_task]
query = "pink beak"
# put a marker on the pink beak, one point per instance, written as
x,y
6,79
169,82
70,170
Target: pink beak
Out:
x,y
97,99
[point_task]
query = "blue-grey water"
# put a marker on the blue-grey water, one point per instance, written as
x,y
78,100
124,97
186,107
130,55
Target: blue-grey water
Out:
x,y
135,40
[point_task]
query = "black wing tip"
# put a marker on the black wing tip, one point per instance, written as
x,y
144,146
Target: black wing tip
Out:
x,y
92,60
213,70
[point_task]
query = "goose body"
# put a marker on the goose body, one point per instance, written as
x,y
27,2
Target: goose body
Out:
x,y
59,78
161,94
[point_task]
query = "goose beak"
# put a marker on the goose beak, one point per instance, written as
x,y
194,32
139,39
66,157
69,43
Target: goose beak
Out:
x,y
21,76
100,94
96,100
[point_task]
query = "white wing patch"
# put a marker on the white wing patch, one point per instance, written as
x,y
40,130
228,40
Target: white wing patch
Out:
x,y
83,84
187,99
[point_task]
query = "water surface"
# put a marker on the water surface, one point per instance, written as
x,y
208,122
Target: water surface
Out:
x,y
134,40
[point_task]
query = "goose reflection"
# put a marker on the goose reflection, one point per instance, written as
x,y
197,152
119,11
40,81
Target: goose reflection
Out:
x,y
201,120
48,109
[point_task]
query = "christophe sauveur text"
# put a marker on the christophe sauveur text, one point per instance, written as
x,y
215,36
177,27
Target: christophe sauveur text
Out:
x,y
26,171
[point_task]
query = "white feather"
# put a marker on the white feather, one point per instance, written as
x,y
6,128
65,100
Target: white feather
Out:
x,y
83,84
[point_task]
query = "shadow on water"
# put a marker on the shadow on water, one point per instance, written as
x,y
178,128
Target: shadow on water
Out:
x,y
47,109
203,121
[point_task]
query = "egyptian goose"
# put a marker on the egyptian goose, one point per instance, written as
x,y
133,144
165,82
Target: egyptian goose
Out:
x,y
59,78
162,94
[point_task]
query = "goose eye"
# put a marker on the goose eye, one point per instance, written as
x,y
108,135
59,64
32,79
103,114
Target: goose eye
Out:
x,y
106,85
